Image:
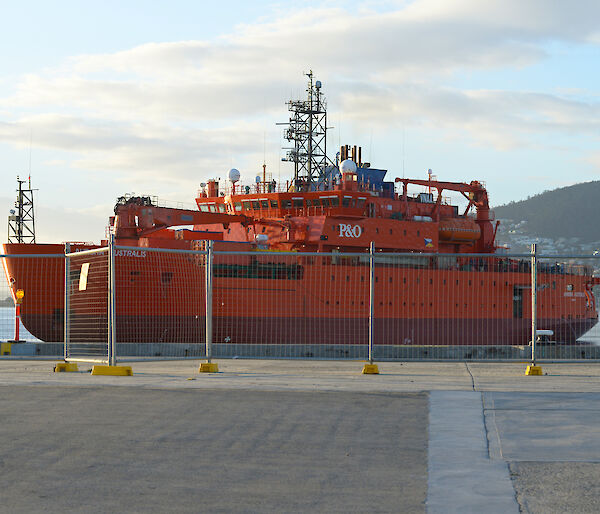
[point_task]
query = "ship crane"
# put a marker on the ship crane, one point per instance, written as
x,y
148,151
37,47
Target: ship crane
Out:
x,y
138,217
477,197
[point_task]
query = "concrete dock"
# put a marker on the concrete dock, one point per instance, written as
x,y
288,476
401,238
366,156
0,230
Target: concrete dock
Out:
x,y
300,436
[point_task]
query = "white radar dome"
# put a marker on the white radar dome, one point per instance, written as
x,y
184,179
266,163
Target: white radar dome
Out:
x,y
233,175
348,166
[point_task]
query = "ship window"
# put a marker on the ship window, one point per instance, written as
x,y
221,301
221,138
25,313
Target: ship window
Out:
x,y
418,233
316,202
286,204
222,207
390,280
553,284
444,281
391,232
335,201
494,283
246,204
308,202
362,278
430,281
469,282
405,232
347,278
298,202
325,202
332,278
346,201
203,207
166,277
212,208
274,203
361,202
264,204
353,202
404,280
238,206
255,204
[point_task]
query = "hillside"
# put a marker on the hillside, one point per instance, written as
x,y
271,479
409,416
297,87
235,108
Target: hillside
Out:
x,y
568,212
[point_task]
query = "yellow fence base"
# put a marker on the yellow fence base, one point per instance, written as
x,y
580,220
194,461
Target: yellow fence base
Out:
x,y
370,369
115,371
208,367
5,348
533,370
65,367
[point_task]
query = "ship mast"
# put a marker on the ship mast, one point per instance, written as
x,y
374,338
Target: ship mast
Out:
x,y
21,222
307,130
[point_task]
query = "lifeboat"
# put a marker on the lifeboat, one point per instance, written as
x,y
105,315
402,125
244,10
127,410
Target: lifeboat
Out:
x,y
458,230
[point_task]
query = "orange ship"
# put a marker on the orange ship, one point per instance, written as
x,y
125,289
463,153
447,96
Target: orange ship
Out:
x,y
440,279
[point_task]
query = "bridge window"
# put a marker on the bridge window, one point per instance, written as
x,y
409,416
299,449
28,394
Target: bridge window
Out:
x,y
255,205
274,204
298,202
335,201
361,202
237,206
325,202
203,207
264,204
246,204
286,204
346,201
316,202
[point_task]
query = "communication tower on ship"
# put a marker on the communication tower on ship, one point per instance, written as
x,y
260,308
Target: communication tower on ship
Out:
x,y
307,130
21,220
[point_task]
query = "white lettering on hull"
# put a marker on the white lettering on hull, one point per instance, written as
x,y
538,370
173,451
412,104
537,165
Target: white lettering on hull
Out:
x,y
347,230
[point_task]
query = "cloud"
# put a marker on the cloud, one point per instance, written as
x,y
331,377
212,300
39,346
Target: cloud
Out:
x,y
181,110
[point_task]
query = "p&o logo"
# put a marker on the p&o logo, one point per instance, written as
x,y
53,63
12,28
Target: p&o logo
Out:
x,y
347,230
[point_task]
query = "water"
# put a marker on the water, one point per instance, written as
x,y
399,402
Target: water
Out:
x,y
7,326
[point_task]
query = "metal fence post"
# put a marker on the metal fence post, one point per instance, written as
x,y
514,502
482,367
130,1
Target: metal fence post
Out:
x,y
371,298
67,291
112,322
533,301
209,299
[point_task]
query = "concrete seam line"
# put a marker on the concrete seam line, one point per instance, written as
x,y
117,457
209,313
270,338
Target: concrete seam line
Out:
x,y
461,476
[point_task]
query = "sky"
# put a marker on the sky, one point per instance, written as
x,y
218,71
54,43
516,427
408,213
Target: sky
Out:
x,y
99,99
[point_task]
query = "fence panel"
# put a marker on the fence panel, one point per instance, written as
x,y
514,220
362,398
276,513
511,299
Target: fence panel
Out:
x,y
87,306
160,302
41,311
290,305
568,307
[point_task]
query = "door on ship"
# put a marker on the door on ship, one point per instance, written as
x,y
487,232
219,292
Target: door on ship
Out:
x,y
517,301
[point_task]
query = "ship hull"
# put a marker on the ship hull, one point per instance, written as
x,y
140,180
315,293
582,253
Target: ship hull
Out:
x,y
297,301
312,331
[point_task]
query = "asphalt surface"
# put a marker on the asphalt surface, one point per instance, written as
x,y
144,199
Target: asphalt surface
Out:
x,y
124,449
301,436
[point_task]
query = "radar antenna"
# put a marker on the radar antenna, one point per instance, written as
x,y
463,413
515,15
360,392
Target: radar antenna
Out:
x,y
21,220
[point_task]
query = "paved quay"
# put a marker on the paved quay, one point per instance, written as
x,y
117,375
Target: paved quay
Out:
x,y
301,436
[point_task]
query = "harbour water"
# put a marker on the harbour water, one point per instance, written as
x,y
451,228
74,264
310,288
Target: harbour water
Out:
x,y
7,326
